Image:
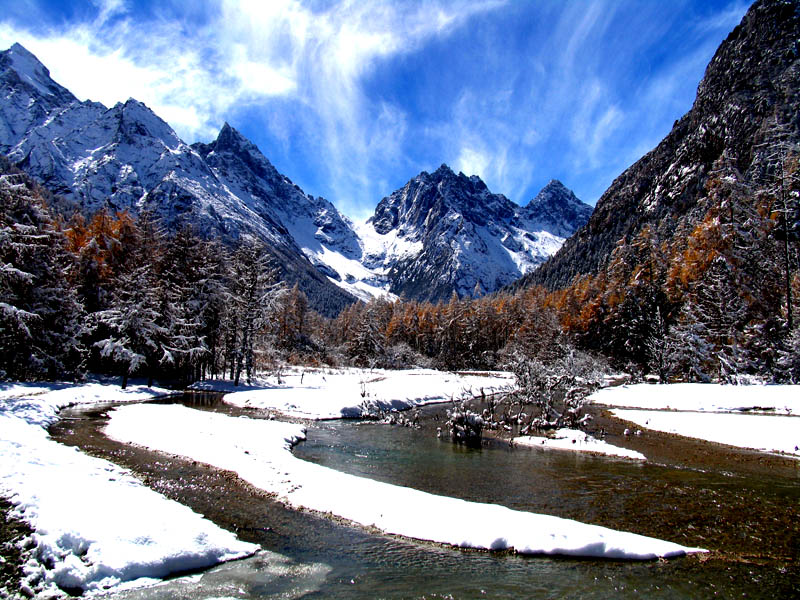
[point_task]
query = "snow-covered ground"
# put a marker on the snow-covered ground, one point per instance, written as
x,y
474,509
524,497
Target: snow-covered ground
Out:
x,y
727,414
343,393
577,441
259,451
95,526
759,432
772,399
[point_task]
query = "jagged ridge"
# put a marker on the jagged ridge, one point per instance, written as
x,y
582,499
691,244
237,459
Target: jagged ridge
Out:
x,y
441,233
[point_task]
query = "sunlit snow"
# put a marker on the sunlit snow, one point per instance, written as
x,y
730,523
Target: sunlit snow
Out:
x,y
337,393
760,417
95,526
577,441
259,451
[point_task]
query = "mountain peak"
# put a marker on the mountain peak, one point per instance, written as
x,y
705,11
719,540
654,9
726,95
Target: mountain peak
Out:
x,y
229,138
20,50
557,209
31,71
554,192
443,171
554,184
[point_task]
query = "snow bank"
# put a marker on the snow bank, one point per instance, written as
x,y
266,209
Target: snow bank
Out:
x,y
759,432
39,403
727,414
95,526
338,393
259,451
577,441
774,399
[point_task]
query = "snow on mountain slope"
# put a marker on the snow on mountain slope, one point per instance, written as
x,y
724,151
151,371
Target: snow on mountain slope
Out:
x,y
443,233
438,234
28,95
127,158
555,209
326,237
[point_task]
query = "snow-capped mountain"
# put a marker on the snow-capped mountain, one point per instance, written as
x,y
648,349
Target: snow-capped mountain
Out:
x,y
556,209
440,233
313,223
443,233
127,158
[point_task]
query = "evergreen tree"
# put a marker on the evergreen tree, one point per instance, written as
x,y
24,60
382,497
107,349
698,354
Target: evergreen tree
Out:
x,y
131,332
254,285
366,347
41,319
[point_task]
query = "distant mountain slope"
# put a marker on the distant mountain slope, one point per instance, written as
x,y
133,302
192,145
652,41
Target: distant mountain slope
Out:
x,y
443,233
439,234
127,158
556,209
314,223
750,85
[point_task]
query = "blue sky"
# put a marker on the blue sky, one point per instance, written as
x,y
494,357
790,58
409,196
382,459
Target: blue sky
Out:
x,y
351,99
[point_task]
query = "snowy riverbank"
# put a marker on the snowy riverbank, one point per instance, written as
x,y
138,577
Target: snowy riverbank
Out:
x,y
577,441
259,451
95,526
352,393
759,417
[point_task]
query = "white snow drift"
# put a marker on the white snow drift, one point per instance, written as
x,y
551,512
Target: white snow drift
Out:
x,y
758,432
771,399
577,441
95,526
259,451
759,417
338,393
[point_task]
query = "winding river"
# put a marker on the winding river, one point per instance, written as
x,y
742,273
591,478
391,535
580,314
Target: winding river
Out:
x,y
749,521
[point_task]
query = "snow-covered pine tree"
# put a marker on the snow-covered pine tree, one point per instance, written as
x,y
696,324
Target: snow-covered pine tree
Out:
x,y
41,319
130,333
688,354
193,299
777,167
254,286
367,346
213,299
451,334
289,318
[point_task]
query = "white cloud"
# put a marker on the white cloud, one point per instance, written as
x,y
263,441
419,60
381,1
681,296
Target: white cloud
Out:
x,y
725,20
562,101
472,161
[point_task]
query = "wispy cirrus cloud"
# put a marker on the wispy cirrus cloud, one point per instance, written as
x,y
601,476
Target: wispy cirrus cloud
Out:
x,y
352,98
248,52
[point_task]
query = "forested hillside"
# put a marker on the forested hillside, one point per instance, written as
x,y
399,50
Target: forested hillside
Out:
x,y
689,264
688,269
115,294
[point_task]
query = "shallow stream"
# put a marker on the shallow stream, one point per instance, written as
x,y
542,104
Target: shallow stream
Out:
x,y
750,522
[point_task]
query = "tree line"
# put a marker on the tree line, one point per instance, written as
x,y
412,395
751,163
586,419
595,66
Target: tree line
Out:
x,y
713,298
116,294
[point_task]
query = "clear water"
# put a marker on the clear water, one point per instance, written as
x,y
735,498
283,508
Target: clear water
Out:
x,y
310,556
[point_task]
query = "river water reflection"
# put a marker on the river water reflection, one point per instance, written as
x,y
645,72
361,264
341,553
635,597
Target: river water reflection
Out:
x,y
315,557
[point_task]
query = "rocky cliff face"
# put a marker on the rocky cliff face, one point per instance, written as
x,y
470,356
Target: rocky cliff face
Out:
x,y
747,99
